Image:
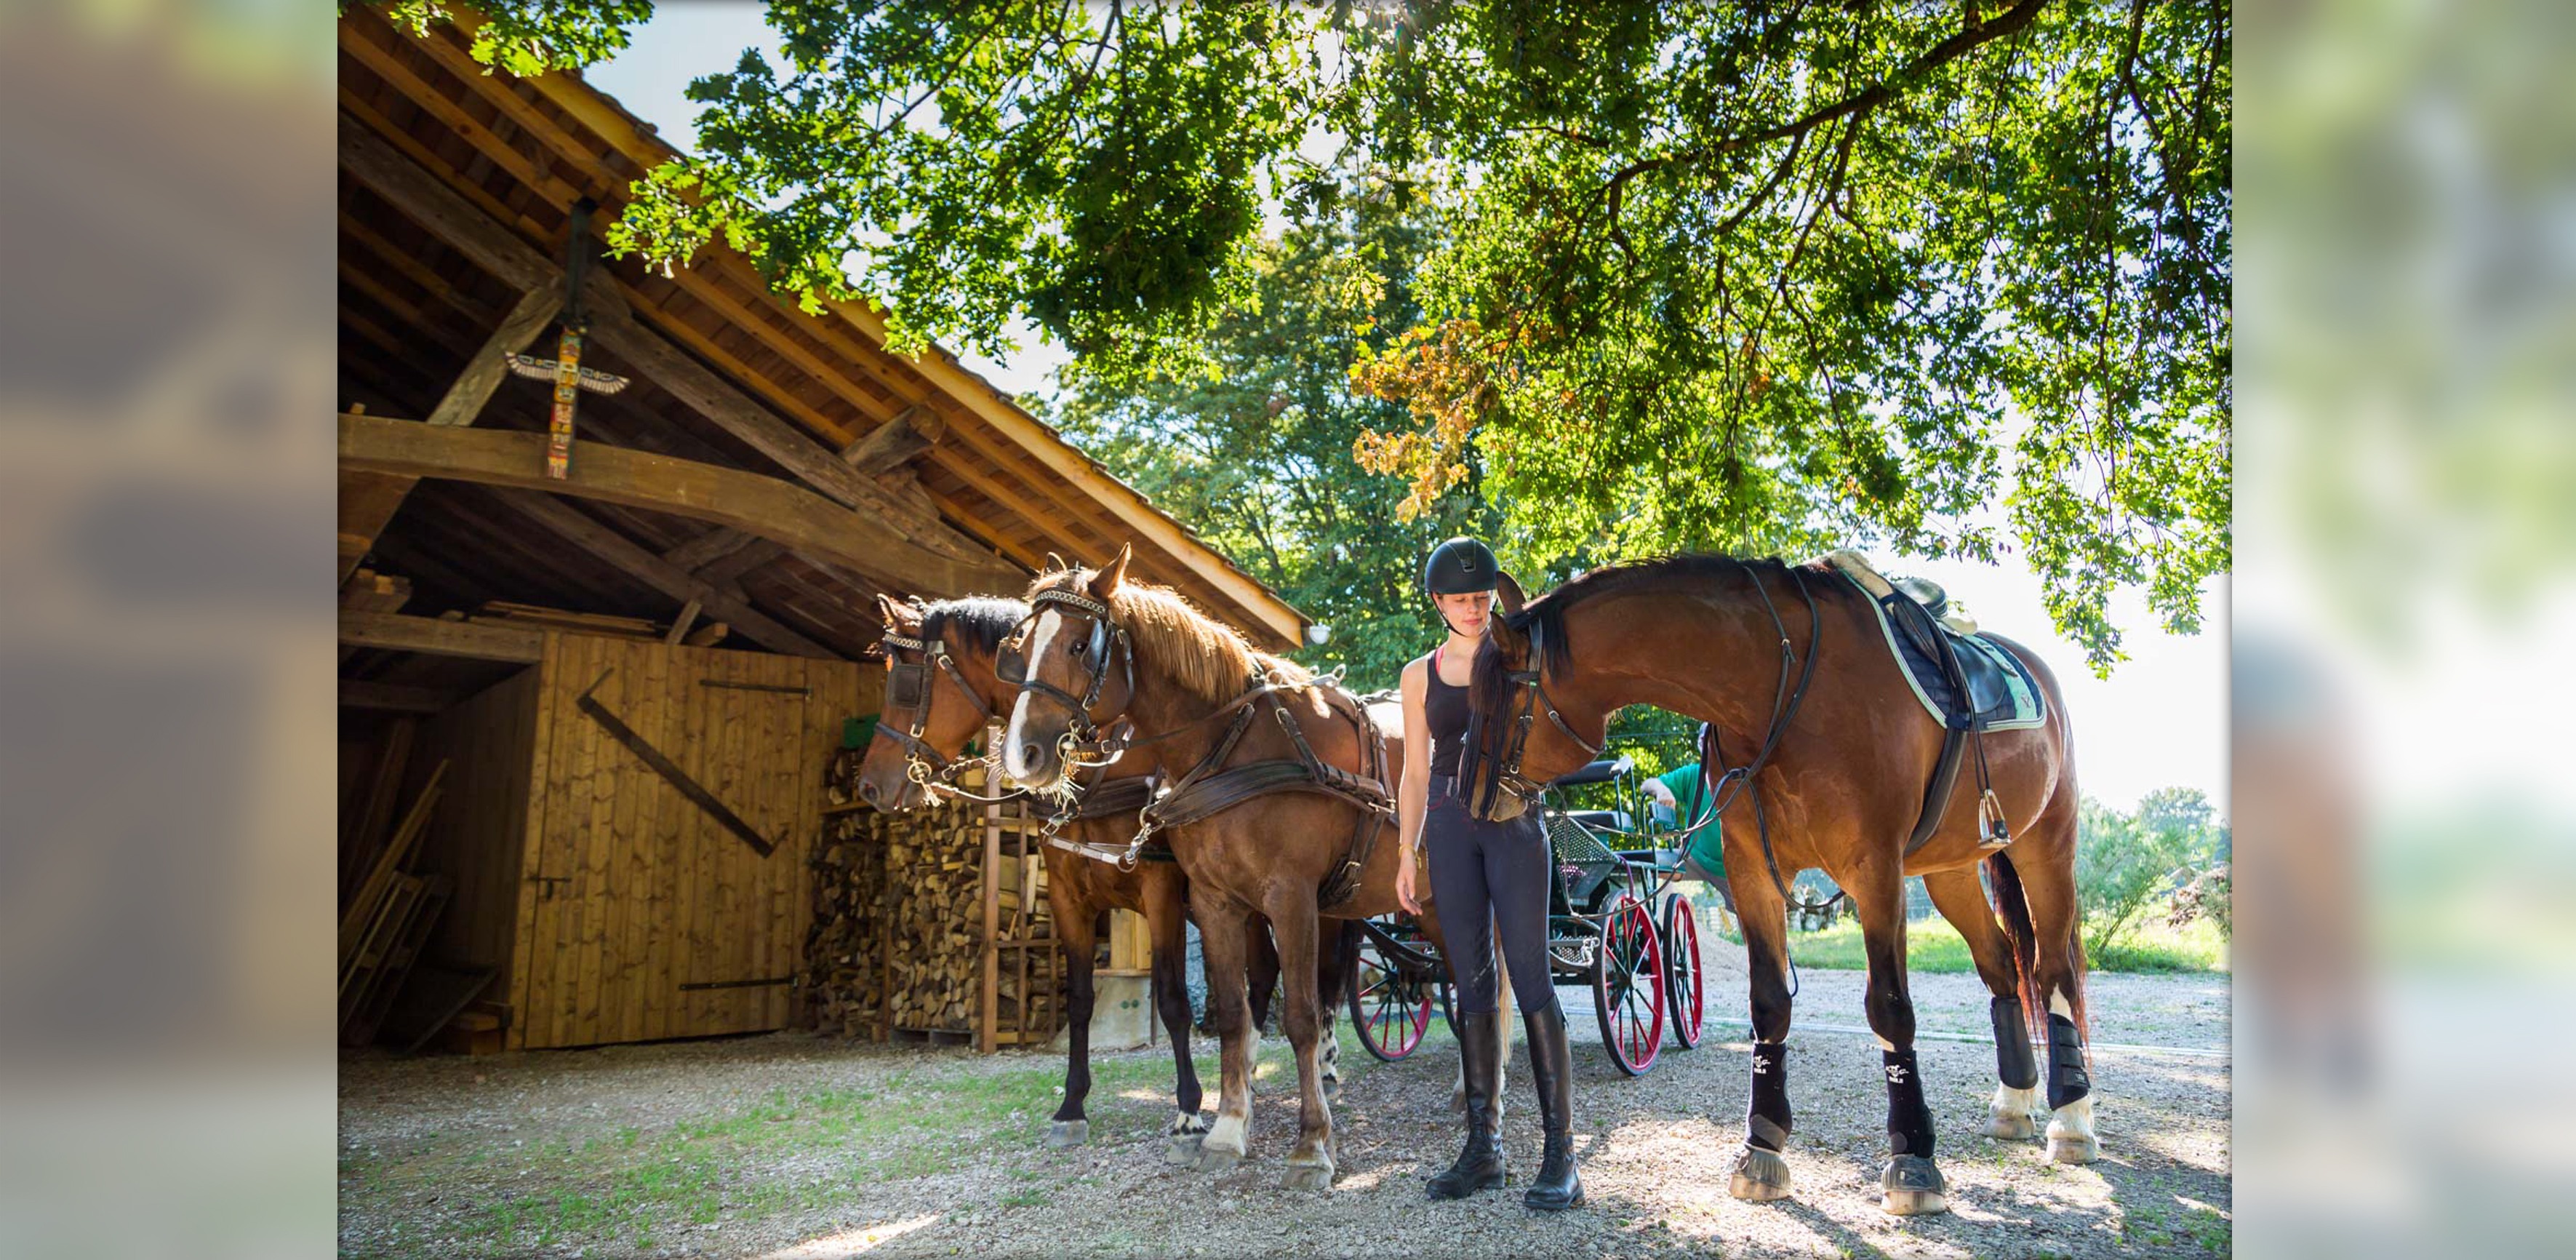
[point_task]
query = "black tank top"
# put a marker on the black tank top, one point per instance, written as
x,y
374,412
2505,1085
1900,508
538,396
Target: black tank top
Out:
x,y
1444,709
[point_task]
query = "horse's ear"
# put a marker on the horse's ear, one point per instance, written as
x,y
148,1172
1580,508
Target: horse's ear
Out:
x,y
897,612
1507,594
1106,582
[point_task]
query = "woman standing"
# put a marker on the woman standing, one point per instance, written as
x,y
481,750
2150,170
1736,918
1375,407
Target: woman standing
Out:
x,y
1489,878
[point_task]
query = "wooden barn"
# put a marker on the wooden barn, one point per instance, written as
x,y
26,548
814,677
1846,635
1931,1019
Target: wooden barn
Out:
x,y
588,721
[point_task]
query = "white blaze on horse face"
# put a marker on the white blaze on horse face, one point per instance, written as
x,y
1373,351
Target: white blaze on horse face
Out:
x,y
1015,762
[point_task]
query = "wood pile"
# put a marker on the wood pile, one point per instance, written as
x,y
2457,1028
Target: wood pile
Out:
x,y
898,942
844,963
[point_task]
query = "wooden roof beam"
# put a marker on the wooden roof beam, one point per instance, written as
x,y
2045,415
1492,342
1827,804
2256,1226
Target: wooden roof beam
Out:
x,y
763,506
617,549
497,249
394,632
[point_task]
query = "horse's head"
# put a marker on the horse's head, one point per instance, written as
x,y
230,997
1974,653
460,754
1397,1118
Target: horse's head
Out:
x,y
1514,741
1073,664
929,715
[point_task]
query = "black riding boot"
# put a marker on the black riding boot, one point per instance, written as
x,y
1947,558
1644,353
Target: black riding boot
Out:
x,y
1480,1162
1552,1070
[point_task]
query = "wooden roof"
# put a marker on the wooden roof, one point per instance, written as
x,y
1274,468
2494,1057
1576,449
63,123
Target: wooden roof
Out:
x,y
455,194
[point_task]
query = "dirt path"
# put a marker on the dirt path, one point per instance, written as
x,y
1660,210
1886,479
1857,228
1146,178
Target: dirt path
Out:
x,y
793,1146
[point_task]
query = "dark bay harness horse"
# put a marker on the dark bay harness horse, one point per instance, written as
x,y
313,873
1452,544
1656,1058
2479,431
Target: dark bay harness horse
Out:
x,y
940,694
1281,791
1791,668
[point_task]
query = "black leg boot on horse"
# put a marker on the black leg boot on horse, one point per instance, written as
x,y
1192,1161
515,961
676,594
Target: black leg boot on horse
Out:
x,y
1552,1069
1480,1162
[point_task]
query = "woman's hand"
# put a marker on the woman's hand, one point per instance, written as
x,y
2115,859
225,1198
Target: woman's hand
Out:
x,y
1404,885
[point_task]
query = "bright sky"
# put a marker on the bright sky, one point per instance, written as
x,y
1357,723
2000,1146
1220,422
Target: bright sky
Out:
x,y
2160,720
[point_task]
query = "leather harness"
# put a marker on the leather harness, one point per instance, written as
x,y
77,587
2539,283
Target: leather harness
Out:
x,y
1210,786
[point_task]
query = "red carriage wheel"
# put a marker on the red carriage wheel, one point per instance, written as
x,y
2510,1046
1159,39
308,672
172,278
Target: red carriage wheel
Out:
x,y
1390,1007
1682,968
1628,985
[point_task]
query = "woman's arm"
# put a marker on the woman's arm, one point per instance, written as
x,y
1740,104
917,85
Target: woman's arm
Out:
x,y
1415,789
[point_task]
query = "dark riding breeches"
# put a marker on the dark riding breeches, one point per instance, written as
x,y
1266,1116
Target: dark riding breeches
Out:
x,y
1487,876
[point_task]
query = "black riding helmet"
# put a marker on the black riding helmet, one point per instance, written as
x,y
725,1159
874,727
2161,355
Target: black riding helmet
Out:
x,y
1460,566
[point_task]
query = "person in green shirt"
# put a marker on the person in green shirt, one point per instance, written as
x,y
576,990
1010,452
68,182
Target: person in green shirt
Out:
x,y
1684,790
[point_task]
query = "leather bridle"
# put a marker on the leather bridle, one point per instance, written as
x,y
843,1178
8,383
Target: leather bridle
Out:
x,y
922,763
1084,747
1507,789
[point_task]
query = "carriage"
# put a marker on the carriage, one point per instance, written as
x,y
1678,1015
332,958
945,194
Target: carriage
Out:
x,y
1615,922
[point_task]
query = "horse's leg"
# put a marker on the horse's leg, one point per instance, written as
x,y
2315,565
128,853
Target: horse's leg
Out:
x,y
1166,918
1911,1185
1962,900
2058,977
1332,938
1293,924
1759,1172
1076,930
1223,944
1263,976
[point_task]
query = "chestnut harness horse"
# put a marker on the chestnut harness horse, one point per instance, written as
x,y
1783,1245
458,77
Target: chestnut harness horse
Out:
x,y
1210,786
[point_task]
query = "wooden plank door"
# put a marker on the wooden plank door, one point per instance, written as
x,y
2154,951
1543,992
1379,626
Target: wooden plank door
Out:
x,y
651,917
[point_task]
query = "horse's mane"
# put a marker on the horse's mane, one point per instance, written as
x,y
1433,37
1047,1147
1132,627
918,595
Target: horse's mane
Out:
x,y
982,621
1488,682
1203,656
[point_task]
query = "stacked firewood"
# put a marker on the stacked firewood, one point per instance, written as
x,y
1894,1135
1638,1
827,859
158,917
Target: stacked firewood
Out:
x,y
844,950
935,878
898,920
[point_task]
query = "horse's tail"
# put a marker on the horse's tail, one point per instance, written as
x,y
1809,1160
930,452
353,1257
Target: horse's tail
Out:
x,y
2013,906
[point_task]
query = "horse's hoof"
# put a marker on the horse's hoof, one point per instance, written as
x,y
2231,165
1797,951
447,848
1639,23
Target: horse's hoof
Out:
x,y
1217,1159
1182,1149
2073,1148
1332,1089
1314,1176
2010,1126
1064,1133
1913,1187
1760,1175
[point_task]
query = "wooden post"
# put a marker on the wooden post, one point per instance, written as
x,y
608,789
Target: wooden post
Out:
x,y
989,1025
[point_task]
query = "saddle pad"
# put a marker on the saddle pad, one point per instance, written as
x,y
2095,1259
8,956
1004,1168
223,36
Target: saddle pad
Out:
x,y
2020,708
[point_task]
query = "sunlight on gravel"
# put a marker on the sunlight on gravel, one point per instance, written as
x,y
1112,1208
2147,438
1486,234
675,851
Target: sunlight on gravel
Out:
x,y
795,1146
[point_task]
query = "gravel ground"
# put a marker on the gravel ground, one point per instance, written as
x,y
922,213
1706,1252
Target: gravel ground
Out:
x,y
794,1146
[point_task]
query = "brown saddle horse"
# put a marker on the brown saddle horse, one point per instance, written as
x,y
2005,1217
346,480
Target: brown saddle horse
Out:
x,y
1790,667
1102,651
941,693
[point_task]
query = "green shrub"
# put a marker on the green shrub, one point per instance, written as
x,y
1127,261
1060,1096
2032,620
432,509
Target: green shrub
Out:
x,y
2127,863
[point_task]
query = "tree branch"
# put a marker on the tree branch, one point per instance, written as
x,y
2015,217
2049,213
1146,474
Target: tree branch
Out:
x,y
1876,94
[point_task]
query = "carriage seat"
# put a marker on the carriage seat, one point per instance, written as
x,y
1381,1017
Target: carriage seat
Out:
x,y
1602,819
1601,771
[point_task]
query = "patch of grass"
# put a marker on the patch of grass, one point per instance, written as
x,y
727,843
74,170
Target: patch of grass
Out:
x,y
2157,947
1932,945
